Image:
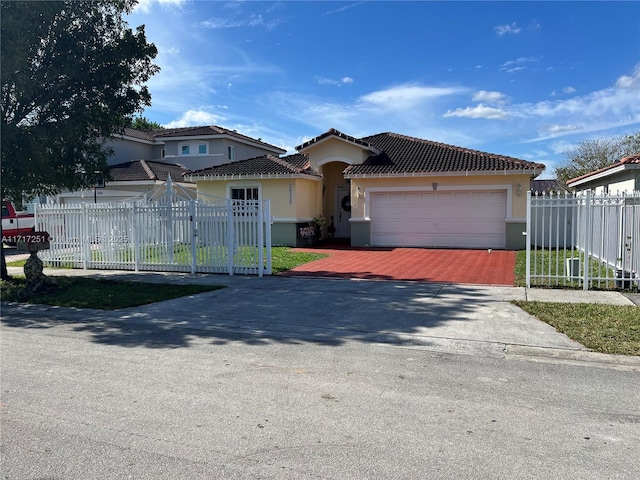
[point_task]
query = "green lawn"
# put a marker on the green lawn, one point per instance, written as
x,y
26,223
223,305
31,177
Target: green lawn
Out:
x,y
82,292
602,328
553,263
282,258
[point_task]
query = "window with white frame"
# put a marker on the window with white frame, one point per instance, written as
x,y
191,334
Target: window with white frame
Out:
x,y
202,149
184,149
231,149
244,199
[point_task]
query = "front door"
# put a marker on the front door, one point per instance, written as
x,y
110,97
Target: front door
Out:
x,y
343,211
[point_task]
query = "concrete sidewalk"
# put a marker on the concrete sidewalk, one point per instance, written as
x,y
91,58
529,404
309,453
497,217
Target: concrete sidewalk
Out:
x,y
460,319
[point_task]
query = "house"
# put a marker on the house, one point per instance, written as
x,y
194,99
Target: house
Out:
x,y
132,181
142,160
547,186
384,190
621,176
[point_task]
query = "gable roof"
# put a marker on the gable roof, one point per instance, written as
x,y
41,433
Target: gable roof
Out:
x,y
265,166
632,162
159,135
145,170
333,133
403,155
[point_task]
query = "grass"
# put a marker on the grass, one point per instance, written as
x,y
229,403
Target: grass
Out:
x,y
82,292
282,258
552,263
612,329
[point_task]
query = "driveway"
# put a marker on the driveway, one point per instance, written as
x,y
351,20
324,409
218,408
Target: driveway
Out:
x,y
475,267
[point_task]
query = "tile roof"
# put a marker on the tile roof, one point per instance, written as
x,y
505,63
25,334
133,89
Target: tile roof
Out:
x,y
408,155
209,130
265,165
631,160
144,170
142,135
332,132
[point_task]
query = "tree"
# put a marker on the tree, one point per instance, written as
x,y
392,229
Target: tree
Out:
x,y
592,155
143,123
72,73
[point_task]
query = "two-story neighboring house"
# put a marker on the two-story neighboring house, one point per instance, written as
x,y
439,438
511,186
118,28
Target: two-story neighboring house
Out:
x,y
143,160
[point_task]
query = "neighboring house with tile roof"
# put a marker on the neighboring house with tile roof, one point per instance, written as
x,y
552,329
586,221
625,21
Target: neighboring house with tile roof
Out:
x,y
142,160
134,180
385,190
620,176
547,186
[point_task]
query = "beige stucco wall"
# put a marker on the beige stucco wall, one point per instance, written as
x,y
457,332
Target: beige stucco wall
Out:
x,y
334,149
291,199
510,183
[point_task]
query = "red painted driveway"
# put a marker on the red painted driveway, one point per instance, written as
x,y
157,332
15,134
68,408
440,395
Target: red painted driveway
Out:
x,y
479,267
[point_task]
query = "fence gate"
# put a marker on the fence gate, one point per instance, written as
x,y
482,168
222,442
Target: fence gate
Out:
x,y
586,240
226,236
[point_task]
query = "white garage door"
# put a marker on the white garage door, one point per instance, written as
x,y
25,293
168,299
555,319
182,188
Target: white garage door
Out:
x,y
458,219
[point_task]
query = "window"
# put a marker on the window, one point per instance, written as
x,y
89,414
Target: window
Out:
x,y
232,152
202,149
184,150
162,153
244,193
637,182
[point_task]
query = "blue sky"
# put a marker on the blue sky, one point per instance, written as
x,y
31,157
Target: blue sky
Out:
x,y
525,79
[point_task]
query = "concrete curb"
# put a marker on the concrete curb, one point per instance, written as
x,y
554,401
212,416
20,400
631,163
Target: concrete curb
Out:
x,y
575,357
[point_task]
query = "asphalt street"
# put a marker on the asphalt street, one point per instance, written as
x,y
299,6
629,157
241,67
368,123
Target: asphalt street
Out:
x,y
308,379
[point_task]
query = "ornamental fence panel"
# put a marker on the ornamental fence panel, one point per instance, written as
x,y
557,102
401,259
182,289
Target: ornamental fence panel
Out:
x,y
227,236
583,240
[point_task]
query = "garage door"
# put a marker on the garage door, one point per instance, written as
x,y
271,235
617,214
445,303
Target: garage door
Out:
x,y
458,219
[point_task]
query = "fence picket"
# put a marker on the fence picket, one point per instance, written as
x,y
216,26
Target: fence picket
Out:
x,y
600,232
185,236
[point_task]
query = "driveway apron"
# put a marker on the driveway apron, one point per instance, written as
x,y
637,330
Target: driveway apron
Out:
x,y
476,267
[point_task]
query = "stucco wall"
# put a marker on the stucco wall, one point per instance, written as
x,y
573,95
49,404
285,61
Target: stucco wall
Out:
x,y
518,197
127,151
334,149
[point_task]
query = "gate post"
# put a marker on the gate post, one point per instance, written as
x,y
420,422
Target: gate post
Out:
x,y
588,234
230,227
194,234
528,239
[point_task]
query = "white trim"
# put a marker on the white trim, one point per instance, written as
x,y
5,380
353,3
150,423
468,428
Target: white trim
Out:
x,y
606,173
441,188
244,184
346,160
195,138
466,173
214,178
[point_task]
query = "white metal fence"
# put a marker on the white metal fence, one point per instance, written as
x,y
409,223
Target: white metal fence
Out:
x,y
586,240
227,236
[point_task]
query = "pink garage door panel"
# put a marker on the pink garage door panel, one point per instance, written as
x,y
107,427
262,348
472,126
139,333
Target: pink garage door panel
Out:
x,y
458,219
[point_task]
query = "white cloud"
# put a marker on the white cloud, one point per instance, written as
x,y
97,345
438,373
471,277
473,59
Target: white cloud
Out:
x,y
504,29
331,81
253,20
195,118
342,9
489,97
406,96
144,6
479,111
517,64
568,89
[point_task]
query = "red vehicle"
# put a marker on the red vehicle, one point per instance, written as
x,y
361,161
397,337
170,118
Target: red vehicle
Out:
x,y
15,225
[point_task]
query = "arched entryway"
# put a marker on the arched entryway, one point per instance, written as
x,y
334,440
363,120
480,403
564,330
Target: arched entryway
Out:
x,y
336,199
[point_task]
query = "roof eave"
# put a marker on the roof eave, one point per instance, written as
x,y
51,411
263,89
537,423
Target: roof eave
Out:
x,y
464,173
210,178
310,144
601,174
